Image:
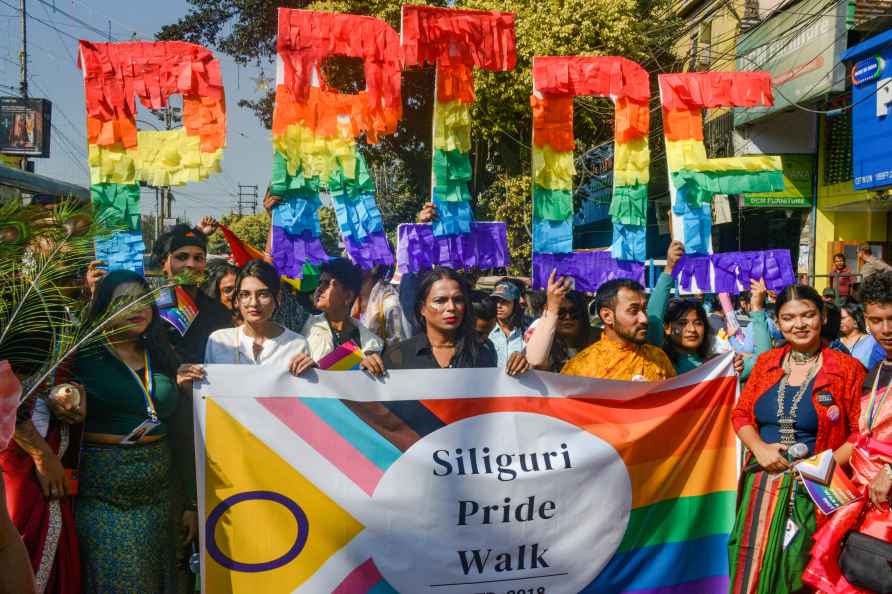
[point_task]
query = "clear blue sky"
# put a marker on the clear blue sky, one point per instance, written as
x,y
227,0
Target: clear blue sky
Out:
x,y
54,75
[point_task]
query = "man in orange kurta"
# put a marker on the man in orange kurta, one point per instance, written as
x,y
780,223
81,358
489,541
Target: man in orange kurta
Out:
x,y
622,353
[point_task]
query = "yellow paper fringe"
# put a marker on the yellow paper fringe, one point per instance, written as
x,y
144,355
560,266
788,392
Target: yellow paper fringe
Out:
x,y
166,158
553,170
631,164
315,155
452,126
691,155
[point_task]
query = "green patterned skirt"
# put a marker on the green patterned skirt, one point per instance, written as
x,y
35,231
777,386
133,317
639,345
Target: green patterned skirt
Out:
x,y
765,557
124,519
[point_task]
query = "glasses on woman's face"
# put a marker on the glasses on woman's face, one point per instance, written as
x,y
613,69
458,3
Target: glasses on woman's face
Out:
x,y
566,314
263,297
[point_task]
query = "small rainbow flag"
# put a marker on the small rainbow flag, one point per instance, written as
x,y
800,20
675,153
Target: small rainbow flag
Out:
x,y
344,358
826,483
182,312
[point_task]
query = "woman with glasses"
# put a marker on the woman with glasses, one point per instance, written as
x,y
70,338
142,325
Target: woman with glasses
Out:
x,y
681,326
259,340
563,330
803,394
220,284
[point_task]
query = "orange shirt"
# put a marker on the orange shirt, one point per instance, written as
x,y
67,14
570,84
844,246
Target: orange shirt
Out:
x,y
609,359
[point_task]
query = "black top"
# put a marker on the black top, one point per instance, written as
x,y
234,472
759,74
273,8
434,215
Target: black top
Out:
x,y
212,316
416,353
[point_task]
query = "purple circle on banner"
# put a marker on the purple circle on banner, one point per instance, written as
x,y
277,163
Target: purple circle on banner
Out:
x,y
303,528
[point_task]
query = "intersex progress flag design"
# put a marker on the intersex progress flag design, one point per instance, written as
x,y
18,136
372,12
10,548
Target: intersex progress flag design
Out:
x,y
465,481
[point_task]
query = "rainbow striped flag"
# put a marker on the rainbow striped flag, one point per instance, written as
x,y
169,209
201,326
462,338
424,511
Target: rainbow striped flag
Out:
x,y
344,358
182,312
465,481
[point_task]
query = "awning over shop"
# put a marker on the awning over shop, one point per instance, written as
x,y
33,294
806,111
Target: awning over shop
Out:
x,y
40,184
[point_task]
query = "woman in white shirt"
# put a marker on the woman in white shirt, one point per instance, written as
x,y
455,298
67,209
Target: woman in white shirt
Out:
x,y
259,341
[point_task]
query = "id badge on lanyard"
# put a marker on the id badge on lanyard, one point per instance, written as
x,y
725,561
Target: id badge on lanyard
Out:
x,y
151,422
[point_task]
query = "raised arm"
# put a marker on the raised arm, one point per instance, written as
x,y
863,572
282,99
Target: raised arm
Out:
x,y
540,343
659,297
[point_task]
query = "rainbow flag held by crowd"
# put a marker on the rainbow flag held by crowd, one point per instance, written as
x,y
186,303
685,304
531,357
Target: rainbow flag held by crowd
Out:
x,y
465,481
181,311
344,358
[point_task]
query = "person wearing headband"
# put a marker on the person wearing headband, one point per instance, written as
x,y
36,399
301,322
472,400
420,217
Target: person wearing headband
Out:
x,y
182,254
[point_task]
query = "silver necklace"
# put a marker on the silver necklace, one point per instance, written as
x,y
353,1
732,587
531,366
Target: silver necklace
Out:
x,y
787,422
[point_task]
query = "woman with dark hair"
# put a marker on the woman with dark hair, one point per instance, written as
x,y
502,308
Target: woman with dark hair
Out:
x,y
853,337
802,393
448,338
563,330
137,457
507,336
259,340
220,284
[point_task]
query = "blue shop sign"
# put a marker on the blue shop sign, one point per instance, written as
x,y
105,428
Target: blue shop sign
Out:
x,y
872,112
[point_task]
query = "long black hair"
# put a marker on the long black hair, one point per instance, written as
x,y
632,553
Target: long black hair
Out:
x,y
465,338
857,312
677,310
154,339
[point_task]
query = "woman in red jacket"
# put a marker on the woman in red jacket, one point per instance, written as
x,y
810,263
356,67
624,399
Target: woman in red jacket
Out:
x,y
802,393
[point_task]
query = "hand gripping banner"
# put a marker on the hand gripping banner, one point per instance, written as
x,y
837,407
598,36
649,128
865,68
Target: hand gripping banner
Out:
x,y
456,41
314,135
465,481
693,178
120,156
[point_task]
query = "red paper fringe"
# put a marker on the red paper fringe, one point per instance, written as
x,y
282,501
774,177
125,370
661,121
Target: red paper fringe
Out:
x,y
553,121
591,75
448,36
307,37
115,74
683,125
699,90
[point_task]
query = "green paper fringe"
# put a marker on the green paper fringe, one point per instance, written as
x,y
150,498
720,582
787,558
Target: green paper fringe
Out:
x,y
452,172
629,205
117,206
551,205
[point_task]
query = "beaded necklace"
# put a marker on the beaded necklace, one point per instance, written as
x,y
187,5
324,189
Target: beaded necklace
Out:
x,y
787,422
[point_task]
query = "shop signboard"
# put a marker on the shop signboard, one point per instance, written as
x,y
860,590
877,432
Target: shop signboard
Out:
x,y
798,192
25,126
872,112
801,45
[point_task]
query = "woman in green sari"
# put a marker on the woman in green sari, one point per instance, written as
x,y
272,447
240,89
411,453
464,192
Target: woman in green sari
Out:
x,y
137,467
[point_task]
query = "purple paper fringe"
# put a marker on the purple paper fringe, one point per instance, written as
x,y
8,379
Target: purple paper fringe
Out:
x,y
291,251
374,251
486,246
735,270
589,269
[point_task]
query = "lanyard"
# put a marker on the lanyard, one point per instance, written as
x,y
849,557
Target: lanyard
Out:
x,y
147,384
873,407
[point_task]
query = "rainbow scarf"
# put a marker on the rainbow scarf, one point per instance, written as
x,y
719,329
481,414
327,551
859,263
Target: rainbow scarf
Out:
x,y
182,313
120,156
670,446
693,178
556,81
314,138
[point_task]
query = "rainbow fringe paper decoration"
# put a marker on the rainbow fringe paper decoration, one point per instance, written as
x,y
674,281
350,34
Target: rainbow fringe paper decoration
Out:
x,y
344,358
120,156
694,178
315,131
181,315
455,41
556,80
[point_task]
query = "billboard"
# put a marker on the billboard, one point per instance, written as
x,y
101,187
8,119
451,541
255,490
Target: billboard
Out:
x,y
799,176
871,117
25,126
802,47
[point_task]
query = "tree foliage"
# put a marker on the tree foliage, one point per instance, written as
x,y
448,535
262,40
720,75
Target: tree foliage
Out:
x,y
508,200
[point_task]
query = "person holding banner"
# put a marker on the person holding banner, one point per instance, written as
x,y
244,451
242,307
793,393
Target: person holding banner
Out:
x,y
871,461
259,340
448,338
340,281
622,353
803,393
138,449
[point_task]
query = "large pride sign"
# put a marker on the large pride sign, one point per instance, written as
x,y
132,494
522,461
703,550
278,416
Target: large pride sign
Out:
x,y
318,154
465,482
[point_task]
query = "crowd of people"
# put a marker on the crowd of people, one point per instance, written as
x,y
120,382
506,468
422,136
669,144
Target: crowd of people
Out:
x,y
121,516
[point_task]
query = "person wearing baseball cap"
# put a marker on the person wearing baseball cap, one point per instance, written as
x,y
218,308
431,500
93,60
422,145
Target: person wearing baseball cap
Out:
x,y
507,336
180,252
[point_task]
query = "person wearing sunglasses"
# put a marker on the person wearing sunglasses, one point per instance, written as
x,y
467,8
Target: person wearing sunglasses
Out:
x,y
259,340
564,328
865,523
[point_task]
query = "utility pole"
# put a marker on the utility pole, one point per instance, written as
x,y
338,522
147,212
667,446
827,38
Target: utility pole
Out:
x,y
166,194
247,197
23,64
